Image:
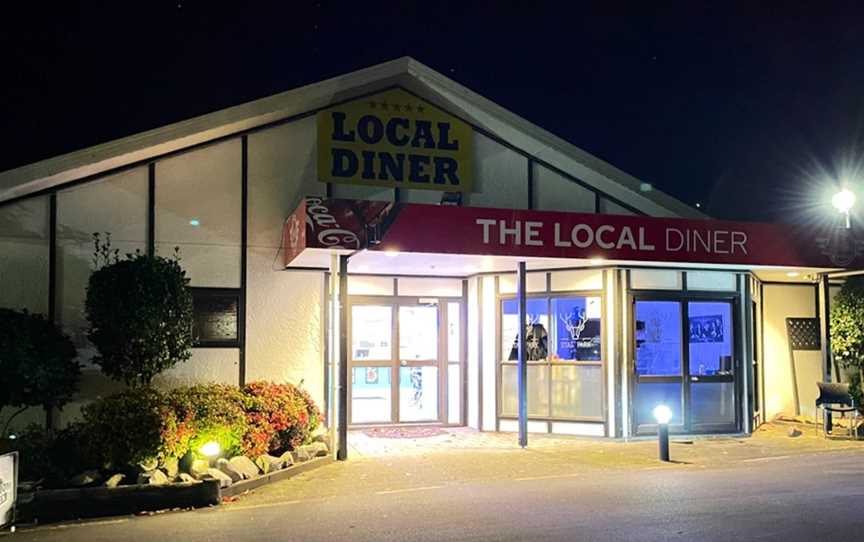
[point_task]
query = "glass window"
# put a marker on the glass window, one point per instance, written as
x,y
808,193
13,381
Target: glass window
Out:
x,y
418,332
576,328
454,344
710,338
370,395
24,255
115,206
538,336
565,354
418,394
651,394
198,209
371,331
215,317
658,338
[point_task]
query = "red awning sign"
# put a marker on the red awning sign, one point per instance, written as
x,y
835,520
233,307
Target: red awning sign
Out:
x,y
408,227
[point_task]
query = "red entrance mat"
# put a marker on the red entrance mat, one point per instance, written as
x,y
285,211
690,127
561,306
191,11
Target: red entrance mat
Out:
x,y
404,432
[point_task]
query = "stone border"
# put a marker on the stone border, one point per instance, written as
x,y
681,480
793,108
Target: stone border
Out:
x,y
289,472
54,505
64,504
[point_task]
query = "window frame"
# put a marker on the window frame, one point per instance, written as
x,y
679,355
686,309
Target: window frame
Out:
x,y
500,363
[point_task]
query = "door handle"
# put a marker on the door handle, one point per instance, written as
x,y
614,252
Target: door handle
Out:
x,y
694,379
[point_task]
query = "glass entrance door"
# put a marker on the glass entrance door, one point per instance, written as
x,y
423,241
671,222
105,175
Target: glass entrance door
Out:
x,y
685,360
403,366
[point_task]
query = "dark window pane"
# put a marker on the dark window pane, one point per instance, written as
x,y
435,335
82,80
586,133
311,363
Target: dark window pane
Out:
x,y
215,317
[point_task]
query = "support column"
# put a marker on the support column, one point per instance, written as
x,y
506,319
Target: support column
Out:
x,y
342,454
522,362
825,332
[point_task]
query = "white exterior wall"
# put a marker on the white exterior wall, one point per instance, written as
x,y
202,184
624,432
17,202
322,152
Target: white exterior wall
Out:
x,y
781,302
284,309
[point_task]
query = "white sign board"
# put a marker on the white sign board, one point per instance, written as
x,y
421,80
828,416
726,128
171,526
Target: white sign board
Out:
x,y
8,487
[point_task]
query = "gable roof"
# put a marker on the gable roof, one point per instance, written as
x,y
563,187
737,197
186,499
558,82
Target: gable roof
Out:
x,y
404,72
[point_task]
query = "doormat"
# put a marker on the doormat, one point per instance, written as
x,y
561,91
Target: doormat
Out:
x,y
404,432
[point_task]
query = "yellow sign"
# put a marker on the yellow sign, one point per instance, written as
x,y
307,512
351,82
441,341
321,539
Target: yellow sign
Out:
x,y
394,139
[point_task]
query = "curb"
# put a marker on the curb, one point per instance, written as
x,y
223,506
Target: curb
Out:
x,y
247,485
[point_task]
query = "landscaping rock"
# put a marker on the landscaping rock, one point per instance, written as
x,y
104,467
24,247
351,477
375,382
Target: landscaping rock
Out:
x,y
318,449
287,459
301,454
216,474
115,480
153,478
233,472
199,467
171,466
320,434
245,466
86,478
148,465
185,478
794,432
268,463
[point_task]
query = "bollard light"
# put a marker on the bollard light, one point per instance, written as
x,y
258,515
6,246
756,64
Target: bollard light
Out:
x,y
663,414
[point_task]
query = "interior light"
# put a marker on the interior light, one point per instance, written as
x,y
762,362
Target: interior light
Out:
x,y
662,414
792,274
596,261
194,222
210,449
391,253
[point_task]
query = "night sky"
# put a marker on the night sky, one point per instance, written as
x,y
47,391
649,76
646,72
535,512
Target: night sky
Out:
x,y
749,110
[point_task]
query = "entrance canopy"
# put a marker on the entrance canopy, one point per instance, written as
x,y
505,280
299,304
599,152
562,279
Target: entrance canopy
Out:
x,y
465,240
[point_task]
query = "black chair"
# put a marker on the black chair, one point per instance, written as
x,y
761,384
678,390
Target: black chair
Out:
x,y
835,397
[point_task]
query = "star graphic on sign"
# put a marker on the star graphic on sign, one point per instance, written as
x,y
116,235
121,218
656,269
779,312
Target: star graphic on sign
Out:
x,y
408,107
384,105
419,108
372,105
396,107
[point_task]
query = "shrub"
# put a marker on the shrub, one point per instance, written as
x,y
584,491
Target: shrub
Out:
x,y
211,412
51,456
37,362
128,427
280,417
847,333
140,313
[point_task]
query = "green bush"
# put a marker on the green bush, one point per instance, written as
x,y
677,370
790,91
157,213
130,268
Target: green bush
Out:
x,y
51,456
37,362
140,313
280,417
128,427
210,412
847,334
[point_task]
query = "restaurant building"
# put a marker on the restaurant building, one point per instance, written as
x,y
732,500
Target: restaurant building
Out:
x,y
431,196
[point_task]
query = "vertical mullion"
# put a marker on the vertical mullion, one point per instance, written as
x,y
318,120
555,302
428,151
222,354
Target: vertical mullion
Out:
x,y
52,257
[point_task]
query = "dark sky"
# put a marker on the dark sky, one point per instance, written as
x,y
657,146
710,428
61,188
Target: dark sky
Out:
x,y
745,108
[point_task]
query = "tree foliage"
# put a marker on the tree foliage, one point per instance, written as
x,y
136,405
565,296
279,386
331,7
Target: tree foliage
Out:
x,y
847,332
140,313
37,362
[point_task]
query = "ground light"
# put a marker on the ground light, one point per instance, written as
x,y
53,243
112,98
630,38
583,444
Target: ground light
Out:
x,y
210,449
843,201
663,414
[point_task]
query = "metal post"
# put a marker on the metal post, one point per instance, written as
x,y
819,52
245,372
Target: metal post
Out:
x,y
663,441
523,365
342,454
825,331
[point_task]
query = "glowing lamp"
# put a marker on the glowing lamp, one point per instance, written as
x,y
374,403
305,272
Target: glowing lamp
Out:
x,y
210,449
662,414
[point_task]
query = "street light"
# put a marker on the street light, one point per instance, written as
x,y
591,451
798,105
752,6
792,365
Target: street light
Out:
x,y
843,201
663,414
